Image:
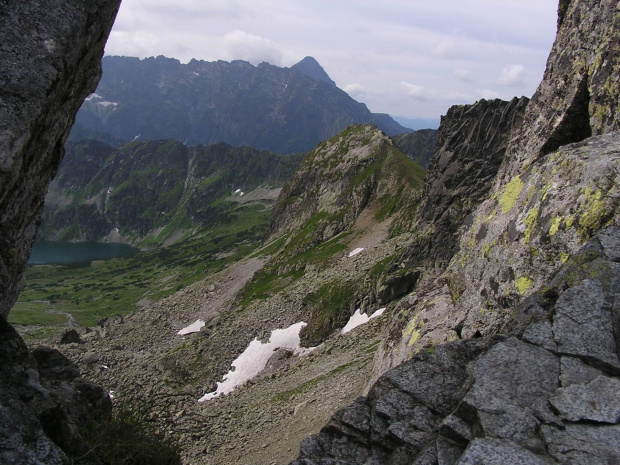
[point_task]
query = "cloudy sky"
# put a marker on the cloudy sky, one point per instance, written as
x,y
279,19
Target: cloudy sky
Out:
x,y
410,58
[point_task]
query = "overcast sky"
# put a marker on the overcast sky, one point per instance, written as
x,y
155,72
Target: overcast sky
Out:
x,y
411,58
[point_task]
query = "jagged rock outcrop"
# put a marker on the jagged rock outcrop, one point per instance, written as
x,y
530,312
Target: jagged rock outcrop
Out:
x,y
51,60
578,96
529,225
471,146
545,395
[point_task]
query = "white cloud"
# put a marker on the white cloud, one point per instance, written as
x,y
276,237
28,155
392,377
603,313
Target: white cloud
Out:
x,y
245,46
356,91
416,91
448,49
512,75
463,75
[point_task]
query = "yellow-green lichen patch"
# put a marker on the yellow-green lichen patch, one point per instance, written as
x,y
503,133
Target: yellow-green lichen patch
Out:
x,y
568,221
412,332
523,284
486,249
563,257
491,216
530,223
509,198
555,226
593,212
545,190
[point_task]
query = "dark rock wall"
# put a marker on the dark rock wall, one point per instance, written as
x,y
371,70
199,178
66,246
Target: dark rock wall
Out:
x,y
43,405
471,146
50,60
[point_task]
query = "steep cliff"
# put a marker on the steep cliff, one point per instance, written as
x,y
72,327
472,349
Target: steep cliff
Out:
x,y
50,59
471,146
47,73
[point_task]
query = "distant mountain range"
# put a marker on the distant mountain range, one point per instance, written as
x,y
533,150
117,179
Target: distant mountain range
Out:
x,y
283,110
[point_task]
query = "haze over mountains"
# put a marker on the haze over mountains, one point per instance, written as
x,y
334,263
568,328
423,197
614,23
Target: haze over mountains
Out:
x,y
283,110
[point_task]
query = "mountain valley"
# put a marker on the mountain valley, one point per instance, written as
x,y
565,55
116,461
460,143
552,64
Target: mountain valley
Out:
x,y
484,289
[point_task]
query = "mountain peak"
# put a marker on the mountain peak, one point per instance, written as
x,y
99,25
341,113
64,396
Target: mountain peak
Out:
x,y
311,68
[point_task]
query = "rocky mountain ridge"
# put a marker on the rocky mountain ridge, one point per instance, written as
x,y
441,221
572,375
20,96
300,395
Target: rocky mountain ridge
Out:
x,y
104,192
283,110
156,192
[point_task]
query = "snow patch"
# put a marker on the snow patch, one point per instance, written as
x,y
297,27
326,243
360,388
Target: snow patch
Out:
x,y
354,252
254,359
359,319
107,104
193,328
93,96
136,138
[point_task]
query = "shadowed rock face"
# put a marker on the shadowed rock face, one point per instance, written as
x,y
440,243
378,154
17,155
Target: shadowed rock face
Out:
x,y
471,146
50,61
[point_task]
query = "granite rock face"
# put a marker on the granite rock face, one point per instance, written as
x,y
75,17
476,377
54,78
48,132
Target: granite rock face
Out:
x,y
530,399
471,146
51,60
540,209
43,405
578,96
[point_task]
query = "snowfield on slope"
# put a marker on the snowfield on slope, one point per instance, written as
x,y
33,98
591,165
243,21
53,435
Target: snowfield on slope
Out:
x,y
193,328
359,319
254,359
